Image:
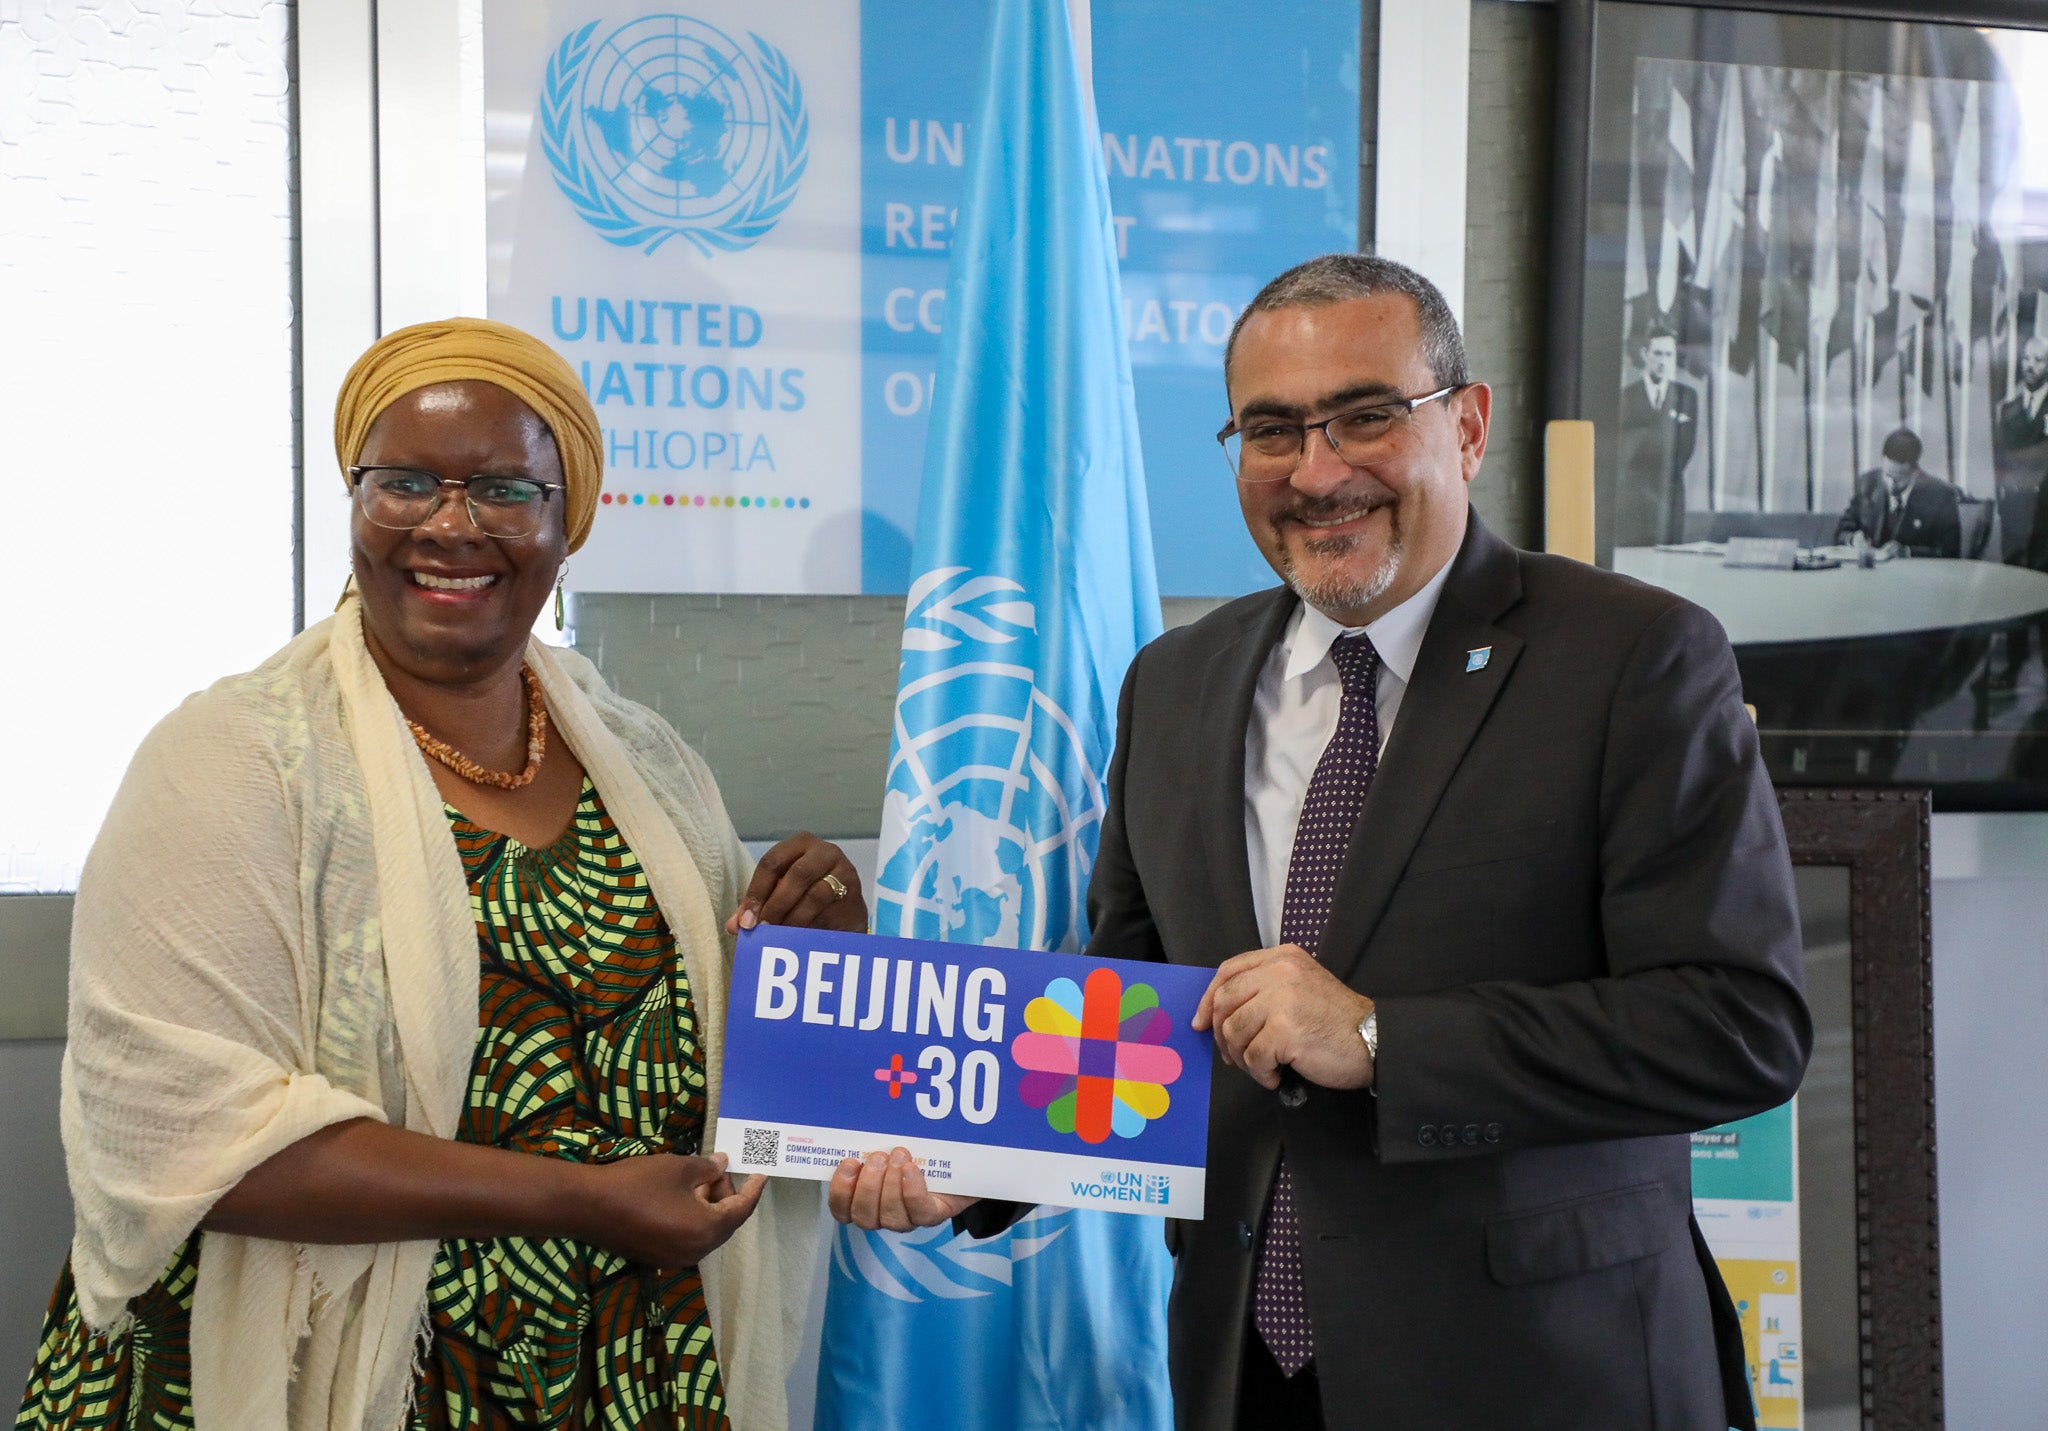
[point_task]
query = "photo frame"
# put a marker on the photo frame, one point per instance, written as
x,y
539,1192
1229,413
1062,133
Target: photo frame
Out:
x,y
1800,287
1881,1017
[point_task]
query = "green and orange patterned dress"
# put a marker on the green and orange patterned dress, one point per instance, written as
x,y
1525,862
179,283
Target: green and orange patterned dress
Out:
x,y
586,1049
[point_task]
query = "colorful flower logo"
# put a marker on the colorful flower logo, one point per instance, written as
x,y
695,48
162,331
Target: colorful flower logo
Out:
x,y
1095,1059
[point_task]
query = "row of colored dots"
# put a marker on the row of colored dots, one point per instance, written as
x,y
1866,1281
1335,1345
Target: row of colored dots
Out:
x,y
671,499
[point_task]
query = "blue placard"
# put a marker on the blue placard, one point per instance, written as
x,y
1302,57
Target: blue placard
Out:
x,y
1047,1078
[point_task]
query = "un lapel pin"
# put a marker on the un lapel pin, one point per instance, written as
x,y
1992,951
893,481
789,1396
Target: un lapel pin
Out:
x,y
1476,658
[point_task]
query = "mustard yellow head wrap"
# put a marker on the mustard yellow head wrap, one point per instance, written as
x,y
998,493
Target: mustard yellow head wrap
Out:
x,y
455,349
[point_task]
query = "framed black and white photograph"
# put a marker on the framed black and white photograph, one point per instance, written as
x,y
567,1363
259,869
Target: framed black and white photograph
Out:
x,y
1800,287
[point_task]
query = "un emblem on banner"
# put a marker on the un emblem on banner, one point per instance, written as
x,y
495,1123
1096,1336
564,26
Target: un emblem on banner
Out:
x,y
992,803
667,127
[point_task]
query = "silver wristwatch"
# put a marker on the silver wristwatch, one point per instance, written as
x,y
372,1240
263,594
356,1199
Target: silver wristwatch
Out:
x,y
1369,1030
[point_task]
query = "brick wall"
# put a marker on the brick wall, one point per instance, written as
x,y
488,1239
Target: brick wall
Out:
x,y
788,697
1507,266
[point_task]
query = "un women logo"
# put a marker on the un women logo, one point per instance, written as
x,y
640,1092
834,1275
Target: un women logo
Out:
x,y
667,127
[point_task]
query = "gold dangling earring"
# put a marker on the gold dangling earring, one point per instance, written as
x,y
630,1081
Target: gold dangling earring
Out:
x,y
560,577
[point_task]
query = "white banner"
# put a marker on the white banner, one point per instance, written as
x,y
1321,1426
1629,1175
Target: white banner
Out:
x,y
794,1150
675,205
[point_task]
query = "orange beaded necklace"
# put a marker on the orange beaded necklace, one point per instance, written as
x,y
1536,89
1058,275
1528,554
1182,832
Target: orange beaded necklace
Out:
x,y
536,744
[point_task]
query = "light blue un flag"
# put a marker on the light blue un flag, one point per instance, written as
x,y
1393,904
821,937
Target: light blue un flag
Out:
x,y
1033,589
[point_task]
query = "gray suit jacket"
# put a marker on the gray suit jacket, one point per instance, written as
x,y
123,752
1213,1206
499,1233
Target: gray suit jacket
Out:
x,y
1656,447
1570,895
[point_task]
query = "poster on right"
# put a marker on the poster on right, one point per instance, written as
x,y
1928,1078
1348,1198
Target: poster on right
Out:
x,y
1745,1196
1802,292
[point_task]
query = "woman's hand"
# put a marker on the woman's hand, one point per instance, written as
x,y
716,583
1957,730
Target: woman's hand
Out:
x,y
806,882
663,1210
887,1190
362,1181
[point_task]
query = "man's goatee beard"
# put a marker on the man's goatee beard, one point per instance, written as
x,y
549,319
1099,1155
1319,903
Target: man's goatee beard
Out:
x,y
1334,594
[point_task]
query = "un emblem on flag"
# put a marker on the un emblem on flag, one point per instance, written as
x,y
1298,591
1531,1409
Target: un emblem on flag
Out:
x,y
667,127
992,805
937,1264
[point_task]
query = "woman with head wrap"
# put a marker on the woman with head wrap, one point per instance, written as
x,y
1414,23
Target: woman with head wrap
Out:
x,y
397,993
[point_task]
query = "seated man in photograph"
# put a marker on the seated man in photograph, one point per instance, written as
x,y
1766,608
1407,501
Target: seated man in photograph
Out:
x,y
1901,506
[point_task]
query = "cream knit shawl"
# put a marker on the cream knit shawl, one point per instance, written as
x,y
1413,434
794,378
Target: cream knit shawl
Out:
x,y
272,935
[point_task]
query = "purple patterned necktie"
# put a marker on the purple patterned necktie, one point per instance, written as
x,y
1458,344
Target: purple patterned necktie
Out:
x,y
1336,792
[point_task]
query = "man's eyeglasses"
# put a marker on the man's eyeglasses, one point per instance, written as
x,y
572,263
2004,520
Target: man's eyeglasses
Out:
x,y
401,498
1268,450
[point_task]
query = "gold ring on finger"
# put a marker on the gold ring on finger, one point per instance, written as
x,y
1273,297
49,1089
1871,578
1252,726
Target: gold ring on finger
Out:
x,y
833,883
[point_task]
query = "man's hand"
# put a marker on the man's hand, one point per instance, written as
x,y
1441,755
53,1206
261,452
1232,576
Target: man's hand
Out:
x,y
887,1190
1275,1006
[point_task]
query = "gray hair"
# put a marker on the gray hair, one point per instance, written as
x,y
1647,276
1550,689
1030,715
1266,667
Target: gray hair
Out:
x,y
1342,277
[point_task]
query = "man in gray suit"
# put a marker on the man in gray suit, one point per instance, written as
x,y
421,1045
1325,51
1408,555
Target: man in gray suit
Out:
x,y
1659,427
1481,850
2019,452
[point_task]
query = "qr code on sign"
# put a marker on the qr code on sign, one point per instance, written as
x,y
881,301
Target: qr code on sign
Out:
x,y
760,1148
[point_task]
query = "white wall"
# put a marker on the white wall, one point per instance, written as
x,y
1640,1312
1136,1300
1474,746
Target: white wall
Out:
x,y
146,387
1419,159
1991,1114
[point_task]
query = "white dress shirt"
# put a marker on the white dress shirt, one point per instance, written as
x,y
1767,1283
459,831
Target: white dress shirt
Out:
x,y
1294,714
